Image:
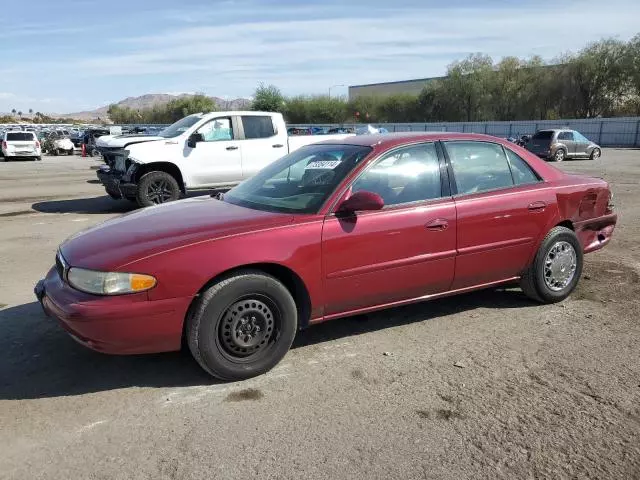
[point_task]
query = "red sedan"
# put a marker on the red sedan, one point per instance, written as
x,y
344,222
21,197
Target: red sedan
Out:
x,y
331,230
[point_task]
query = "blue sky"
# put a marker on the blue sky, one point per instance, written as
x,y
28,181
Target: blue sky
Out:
x,y
70,55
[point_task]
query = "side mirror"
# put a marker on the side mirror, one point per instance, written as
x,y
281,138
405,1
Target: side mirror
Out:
x,y
361,201
194,138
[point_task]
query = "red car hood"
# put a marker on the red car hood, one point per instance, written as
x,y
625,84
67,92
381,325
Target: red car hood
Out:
x,y
153,230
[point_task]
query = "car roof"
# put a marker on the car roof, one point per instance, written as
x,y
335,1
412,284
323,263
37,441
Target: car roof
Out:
x,y
389,140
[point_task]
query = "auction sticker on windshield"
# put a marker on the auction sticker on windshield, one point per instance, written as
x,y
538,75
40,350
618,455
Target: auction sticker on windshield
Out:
x,y
323,165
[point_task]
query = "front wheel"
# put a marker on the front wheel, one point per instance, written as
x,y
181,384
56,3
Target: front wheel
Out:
x,y
242,326
556,269
595,154
70,152
155,188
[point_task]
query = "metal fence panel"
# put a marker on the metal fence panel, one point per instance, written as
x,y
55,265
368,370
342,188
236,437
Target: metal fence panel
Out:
x,y
608,132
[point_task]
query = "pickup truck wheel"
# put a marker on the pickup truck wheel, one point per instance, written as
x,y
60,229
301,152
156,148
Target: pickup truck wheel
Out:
x,y
155,188
242,326
556,269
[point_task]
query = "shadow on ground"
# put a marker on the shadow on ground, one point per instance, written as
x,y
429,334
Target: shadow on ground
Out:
x,y
38,359
103,204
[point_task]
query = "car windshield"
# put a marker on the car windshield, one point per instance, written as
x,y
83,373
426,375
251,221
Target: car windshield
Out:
x,y
180,126
20,136
544,135
299,182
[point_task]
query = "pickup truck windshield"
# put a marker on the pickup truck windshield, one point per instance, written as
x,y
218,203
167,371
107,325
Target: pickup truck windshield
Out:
x,y
180,126
299,182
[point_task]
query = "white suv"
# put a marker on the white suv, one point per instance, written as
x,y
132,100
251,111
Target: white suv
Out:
x,y
21,145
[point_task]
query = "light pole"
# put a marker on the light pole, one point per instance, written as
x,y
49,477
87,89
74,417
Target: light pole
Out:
x,y
334,86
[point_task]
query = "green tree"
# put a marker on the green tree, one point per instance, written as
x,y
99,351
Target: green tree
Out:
x,y
13,111
268,99
30,111
20,113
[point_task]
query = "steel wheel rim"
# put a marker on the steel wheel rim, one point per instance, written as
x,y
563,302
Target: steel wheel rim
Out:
x,y
159,192
560,266
248,328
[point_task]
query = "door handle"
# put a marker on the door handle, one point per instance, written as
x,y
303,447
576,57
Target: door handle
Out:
x,y
437,225
232,147
277,145
537,206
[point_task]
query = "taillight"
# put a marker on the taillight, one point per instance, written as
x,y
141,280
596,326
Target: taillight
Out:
x,y
4,145
610,204
37,144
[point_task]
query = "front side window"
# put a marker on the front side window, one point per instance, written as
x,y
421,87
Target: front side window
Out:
x,y
522,172
217,130
258,126
406,175
478,166
578,137
299,182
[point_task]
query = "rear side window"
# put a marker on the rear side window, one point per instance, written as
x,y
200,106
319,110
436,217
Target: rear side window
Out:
x,y
522,173
565,136
257,126
20,136
479,166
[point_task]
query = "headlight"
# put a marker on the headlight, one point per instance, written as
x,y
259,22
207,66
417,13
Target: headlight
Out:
x,y
109,283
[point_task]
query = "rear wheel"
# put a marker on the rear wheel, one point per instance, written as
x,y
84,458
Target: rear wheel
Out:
x,y
595,154
242,326
55,152
556,269
155,188
70,152
560,155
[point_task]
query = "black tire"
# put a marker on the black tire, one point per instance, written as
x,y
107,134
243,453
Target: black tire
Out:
x,y
38,159
215,329
70,152
55,152
94,153
155,188
595,155
536,279
560,155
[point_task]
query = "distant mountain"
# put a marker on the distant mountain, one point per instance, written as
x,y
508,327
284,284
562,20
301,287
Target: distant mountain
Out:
x,y
151,100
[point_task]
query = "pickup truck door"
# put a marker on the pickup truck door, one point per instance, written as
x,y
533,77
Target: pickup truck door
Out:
x,y
262,143
217,160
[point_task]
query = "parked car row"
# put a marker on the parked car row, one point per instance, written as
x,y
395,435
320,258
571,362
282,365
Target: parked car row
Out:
x,y
347,226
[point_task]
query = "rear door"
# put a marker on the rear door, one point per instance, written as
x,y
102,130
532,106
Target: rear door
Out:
x,y
502,207
218,159
407,249
262,144
566,138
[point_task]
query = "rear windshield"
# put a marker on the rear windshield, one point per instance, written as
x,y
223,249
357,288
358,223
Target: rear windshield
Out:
x,y
545,135
20,136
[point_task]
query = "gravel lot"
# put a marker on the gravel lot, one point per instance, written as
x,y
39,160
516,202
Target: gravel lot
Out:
x,y
487,385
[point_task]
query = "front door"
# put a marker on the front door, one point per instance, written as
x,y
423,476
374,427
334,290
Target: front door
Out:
x,y
218,159
404,251
502,206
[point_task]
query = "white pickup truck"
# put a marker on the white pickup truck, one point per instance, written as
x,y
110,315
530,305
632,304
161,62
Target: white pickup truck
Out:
x,y
199,152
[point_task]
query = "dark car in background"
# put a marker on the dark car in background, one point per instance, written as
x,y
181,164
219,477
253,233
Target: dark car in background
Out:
x,y
560,144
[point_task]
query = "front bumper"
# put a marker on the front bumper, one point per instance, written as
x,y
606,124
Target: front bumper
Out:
x,y
113,183
118,325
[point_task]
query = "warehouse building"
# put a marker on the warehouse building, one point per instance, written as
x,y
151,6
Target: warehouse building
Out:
x,y
413,87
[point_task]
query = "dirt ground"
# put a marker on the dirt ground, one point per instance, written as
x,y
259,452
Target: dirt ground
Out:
x,y
486,385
